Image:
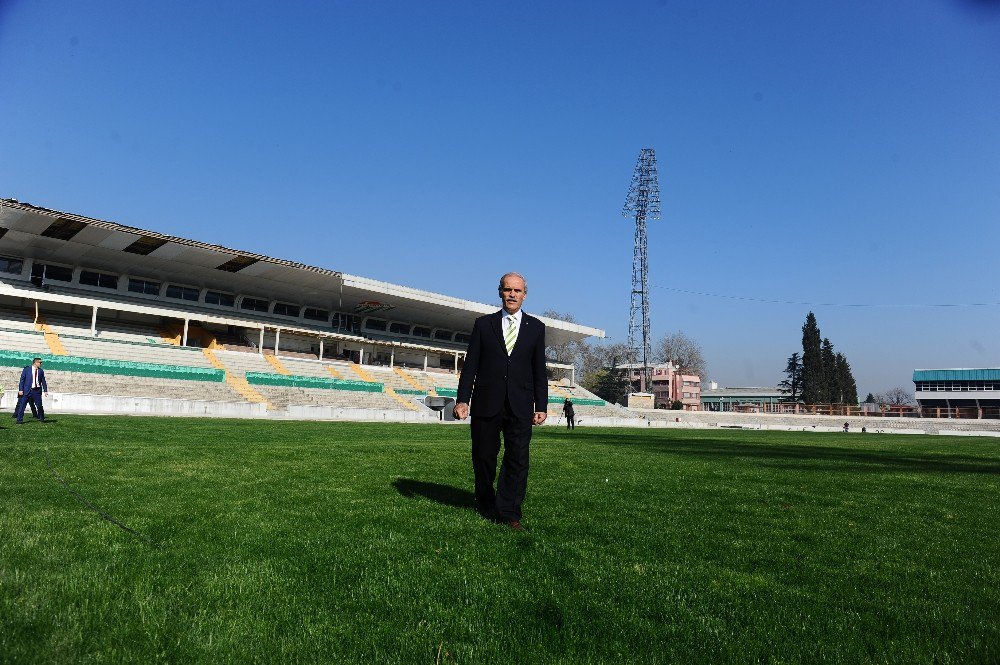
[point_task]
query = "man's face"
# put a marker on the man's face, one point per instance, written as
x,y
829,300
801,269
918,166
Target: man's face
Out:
x,y
37,364
512,293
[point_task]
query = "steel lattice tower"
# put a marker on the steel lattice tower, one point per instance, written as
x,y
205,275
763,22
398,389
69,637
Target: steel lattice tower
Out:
x,y
642,203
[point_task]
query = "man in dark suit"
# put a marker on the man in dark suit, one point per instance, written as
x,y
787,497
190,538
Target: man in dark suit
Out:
x,y
30,389
504,379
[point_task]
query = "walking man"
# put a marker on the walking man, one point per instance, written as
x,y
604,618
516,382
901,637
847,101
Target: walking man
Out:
x,y
504,379
30,389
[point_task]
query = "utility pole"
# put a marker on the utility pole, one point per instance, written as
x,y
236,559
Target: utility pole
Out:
x,y
642,203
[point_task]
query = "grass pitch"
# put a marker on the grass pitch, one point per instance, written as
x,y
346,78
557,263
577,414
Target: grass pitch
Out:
x,y
320,542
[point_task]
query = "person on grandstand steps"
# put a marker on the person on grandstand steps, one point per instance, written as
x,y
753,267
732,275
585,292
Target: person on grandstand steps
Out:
x,y
30,389
504,379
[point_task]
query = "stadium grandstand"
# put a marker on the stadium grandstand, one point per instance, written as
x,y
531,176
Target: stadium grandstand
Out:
x,y
134,321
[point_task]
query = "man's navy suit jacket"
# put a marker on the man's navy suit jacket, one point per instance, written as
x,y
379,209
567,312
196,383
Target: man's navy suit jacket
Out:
x,y
490,376
24,385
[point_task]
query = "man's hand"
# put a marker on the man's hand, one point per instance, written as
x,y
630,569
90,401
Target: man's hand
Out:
x,y
461,411
539,418
20,393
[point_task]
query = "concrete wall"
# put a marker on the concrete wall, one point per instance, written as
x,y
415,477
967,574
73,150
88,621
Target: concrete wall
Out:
x,y
699,419
57,403
364,415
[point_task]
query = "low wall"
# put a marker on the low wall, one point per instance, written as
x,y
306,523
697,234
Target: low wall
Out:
x,y
777,421
597,421
365,415
57,403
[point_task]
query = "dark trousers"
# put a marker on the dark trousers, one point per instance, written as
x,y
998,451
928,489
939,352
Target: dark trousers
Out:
x,y
34,396
513,482
570,421
34,410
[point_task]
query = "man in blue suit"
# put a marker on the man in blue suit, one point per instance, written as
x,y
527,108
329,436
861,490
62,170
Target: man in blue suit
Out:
x,y
504,379
30,389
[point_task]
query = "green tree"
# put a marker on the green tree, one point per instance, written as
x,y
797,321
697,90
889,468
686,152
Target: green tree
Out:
x,y
812,361
792,385
830,391
594,359
612,384
845,381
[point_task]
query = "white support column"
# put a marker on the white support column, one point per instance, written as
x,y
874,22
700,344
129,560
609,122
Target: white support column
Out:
x,y
184,339
456,362
321,348
392,357
277,337
93,322
260,347
361,354
425,361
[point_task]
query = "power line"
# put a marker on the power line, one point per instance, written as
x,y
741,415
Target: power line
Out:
x,y
828,304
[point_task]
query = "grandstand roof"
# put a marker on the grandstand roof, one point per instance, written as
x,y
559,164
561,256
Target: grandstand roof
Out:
x,y
958,374
30,231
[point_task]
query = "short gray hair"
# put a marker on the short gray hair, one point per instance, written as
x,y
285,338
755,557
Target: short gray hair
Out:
x,y
513,274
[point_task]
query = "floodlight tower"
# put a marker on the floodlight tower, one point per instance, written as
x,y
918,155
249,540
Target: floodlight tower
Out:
x,y
642,203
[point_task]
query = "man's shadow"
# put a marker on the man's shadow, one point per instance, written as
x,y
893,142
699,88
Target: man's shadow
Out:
x,y
446,495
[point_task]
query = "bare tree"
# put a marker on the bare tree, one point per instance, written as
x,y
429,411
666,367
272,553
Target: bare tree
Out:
x,y
684,352
896,397
567,352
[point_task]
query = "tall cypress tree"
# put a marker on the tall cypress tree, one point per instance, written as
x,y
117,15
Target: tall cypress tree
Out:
x,y
830,393
848,386
812,362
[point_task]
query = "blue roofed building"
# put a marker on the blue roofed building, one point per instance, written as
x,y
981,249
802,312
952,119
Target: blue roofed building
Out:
x,y
958,393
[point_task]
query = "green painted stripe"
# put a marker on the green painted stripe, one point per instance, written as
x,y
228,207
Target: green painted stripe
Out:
x,y
269,379
446,392
410,391
113,367
577,401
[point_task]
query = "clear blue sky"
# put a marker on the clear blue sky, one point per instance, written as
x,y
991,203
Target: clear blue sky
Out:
x,y
814,152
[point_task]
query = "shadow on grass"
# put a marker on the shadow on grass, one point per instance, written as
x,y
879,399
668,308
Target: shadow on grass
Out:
x,y
443,494
807,456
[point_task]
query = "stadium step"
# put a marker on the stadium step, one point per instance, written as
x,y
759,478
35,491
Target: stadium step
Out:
x,y
334,373
237,383
412,380
559,391
276,364
402,400
51,338
359,370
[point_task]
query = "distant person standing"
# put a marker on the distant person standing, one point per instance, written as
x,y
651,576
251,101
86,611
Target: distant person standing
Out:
x,y
504,379
569,413
30,388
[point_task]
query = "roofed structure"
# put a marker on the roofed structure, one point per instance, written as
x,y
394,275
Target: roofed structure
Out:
x,y
80,262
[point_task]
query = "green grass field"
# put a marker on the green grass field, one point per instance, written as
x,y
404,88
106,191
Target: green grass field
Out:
x,y
321,542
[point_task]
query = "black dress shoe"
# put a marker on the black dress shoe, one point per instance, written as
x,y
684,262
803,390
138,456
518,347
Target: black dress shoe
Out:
x,y
516,525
